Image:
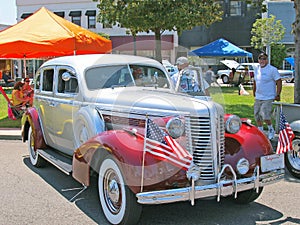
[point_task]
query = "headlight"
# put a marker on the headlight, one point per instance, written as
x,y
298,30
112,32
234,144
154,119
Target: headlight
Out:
x,y
242,166
175,127
233,124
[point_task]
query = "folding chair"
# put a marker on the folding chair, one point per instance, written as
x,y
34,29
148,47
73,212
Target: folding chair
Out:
x,y
13,112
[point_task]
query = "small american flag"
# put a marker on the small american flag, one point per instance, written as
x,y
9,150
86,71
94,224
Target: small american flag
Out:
x,y
164,147
286,135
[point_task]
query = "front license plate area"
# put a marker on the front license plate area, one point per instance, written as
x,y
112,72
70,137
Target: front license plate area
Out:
x,y
271,162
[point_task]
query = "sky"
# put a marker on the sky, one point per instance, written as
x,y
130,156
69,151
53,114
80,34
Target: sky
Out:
x,y
8,12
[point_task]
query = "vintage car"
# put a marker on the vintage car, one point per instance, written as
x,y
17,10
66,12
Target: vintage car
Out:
x,y
147,142
239,77
291,114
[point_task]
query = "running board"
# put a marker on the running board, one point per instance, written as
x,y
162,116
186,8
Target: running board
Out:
x,y
61,162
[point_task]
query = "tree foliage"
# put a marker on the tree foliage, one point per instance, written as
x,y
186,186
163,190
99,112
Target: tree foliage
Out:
x,y
266,32
158,15
278,55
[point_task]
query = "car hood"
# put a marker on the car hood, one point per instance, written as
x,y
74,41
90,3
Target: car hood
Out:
x,y
230,63
149,101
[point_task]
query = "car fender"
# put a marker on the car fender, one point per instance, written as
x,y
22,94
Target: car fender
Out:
x,y
241,145
295,125
127,149
88,123
31,119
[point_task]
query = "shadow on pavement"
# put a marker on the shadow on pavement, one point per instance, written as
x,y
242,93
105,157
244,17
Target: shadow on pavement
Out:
x,y
204,212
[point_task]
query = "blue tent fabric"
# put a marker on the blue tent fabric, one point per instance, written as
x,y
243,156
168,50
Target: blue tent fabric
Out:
x,y
291,61
220,48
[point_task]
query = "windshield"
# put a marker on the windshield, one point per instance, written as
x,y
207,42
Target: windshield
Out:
x,y
190,80
125,76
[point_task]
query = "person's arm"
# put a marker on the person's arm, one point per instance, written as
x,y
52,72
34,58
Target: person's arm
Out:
x,y
278,89
254,87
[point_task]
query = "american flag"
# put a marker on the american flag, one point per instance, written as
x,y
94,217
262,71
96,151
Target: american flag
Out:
x,y
286,135
164,147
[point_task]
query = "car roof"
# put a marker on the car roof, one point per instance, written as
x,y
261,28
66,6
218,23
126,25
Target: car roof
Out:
x,y
84,61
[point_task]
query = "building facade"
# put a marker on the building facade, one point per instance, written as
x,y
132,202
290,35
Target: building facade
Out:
x,y
84,13
235,27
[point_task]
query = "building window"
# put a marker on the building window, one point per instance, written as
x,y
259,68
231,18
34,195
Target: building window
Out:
x,y
75,17
235,8
25,15
61,14
91,18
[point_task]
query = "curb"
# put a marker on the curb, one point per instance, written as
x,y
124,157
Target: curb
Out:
x,y
10,134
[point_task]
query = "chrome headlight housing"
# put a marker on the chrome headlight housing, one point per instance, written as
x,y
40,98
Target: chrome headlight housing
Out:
x,y
175,127
242,166
233,124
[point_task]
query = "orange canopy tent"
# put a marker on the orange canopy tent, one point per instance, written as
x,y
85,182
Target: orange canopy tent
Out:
x,y
44,34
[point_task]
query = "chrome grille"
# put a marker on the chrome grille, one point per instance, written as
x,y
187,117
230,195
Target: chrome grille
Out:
x,y
202,143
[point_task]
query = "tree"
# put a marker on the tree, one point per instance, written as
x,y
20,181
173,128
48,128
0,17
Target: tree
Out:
x,y
266,32
278,55
158,16
296,32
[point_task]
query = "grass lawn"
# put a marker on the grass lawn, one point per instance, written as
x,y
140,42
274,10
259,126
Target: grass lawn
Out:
x,y
240,105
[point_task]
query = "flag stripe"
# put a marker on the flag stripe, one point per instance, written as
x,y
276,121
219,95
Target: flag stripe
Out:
x,y
181,153
152,147
286,135
164,147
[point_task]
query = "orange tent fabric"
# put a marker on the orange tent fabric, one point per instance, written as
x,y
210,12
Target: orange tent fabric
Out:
x,y
44,34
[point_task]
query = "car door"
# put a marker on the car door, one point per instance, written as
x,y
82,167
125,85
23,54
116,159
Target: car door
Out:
x,y
44,102
65,92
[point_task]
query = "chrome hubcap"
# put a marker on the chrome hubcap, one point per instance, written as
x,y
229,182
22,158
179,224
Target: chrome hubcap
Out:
x,y
112,191
294,155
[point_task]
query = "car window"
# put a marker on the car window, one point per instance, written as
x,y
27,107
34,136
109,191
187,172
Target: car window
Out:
x,y
114,76
37,81
67,86
47,80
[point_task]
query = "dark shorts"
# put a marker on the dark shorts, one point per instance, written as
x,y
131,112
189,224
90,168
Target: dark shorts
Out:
x,y
263,109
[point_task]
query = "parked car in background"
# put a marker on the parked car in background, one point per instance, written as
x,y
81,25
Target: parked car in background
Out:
x,y
240,76
145,142
286,75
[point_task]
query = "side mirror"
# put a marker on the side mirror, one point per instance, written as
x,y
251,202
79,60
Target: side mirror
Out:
x,y
66,76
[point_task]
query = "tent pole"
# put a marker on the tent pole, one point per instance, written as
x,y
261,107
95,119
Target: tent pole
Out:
x,y
24,68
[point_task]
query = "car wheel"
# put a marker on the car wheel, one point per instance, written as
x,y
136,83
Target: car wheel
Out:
x,y
292,159
118,203
225,79
35,159
248,196
289,80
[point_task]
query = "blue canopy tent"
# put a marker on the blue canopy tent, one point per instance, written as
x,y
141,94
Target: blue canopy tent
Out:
x,y
220,48
290,60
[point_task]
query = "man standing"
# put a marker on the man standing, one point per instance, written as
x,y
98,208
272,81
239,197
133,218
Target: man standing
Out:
x,y
267,87
7,79
185,80
209,75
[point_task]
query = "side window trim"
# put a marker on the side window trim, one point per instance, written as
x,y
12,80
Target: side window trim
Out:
x,y
46,86
63,87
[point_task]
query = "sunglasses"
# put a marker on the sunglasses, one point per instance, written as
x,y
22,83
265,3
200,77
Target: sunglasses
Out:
x,y
262,58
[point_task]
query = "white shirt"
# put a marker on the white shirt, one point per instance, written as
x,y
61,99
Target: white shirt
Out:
x,y
265,79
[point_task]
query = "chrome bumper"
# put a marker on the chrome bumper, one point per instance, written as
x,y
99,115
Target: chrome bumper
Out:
x,y
221,188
